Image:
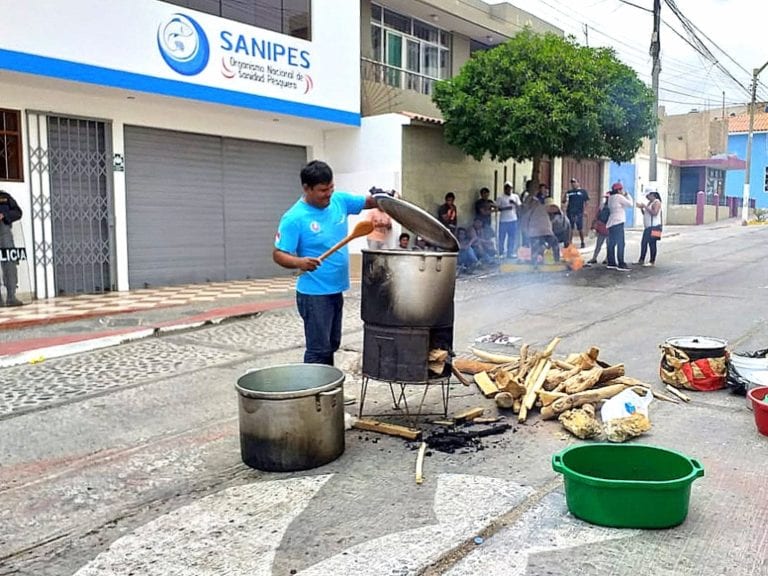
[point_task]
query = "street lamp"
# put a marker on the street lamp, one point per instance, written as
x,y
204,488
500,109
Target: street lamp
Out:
x,y
745,200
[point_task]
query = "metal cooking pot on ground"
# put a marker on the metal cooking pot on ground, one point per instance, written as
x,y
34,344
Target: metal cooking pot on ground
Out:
x,y
291,416
408,289
697,347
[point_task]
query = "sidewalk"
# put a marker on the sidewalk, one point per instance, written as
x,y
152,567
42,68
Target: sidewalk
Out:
x,y
68,325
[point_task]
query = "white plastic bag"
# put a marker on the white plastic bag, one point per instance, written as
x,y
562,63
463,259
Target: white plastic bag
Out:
x,y
625,404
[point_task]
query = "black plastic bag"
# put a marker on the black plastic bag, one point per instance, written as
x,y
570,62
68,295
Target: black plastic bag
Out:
x,y
735,381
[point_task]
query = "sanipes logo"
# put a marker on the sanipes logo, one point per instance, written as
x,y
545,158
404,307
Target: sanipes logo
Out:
x,y
183,45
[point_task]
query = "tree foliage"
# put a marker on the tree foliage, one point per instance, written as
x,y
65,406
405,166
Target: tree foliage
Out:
x,y
541,94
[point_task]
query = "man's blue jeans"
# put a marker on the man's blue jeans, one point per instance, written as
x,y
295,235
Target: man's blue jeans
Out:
x,y
322,326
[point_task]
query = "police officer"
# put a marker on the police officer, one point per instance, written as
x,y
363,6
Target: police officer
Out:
x,y
9,213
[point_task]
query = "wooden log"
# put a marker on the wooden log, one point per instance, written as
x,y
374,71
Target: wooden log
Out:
x,y
443,422
508,366
530,394
388,429
676,392
472,366
584,380
494,358
504,400
532,391
629,381
562,365
517,405
548,397
523,361
459,376
642,390
575,400
610,373
488,420
469,414
507,382
420,463
486,385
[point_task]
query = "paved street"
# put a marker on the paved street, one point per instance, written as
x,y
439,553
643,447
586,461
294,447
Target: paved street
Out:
x,y
125,460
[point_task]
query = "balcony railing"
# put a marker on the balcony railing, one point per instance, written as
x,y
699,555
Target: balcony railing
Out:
x,y
374,71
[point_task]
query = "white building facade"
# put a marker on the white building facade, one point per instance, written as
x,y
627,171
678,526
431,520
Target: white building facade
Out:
x,y
153,143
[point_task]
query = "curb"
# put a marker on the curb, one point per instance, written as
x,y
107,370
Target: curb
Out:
x,y
41,349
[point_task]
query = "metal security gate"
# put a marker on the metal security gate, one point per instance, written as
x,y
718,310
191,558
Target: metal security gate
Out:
x,y
204,208
71,199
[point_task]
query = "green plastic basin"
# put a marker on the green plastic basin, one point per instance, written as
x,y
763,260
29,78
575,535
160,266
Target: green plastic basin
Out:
x,y
627,485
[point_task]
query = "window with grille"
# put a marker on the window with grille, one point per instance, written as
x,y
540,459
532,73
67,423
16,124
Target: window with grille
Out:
x,y
413,54
290,17
10,145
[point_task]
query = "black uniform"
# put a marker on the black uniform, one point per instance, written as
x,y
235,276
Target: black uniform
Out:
x,y
11,213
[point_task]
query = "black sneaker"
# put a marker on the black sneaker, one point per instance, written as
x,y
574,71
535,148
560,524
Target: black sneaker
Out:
x,y
623,268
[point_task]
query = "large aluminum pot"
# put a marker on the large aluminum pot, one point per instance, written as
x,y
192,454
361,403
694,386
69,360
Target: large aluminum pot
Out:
x,y
408,289
291,416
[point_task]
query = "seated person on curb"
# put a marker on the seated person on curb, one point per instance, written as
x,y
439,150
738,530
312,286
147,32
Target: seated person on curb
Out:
x,y
538,228
467,258
561,226
420,244
403,241
483,241
447,213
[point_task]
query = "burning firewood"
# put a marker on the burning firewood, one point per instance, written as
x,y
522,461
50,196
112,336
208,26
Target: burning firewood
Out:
x,y
437,359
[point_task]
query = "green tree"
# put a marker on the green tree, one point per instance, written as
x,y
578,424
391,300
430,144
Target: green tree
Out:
x,y
541,94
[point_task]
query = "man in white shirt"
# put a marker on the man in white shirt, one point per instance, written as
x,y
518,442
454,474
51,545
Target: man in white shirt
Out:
x,y
618,202
508,203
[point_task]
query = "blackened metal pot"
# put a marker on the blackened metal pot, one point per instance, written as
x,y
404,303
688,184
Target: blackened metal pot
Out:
x,y
291,416
404,288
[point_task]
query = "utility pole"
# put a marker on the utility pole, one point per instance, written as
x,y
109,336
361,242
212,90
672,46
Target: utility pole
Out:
x,y
655,53
586,35
725,127
745,198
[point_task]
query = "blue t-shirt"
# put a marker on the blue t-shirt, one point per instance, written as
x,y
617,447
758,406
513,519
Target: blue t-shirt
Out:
x,y
306,231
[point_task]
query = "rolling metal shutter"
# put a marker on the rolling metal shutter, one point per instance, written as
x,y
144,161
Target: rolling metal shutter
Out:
x,y
204,208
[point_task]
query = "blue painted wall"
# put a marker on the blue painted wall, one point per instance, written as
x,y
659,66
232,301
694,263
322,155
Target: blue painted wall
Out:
x,y
734,181
625,173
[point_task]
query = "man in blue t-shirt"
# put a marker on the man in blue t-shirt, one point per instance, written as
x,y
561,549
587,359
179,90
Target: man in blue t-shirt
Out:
x,y
315,223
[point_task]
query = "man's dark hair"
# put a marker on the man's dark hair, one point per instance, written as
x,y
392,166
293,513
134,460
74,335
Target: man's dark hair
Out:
x,y
450,195
316,172
405,235
484,189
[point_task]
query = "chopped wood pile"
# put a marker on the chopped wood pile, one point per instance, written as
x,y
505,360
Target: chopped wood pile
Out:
x,y
569,389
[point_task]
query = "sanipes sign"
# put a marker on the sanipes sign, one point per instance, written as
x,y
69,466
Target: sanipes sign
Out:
x,y
157,47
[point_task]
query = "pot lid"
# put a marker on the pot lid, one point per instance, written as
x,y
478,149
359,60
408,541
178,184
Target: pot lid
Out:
x,y
697,342
418,221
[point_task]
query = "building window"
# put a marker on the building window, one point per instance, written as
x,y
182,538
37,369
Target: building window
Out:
x,y
10,145
291,17
409,53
